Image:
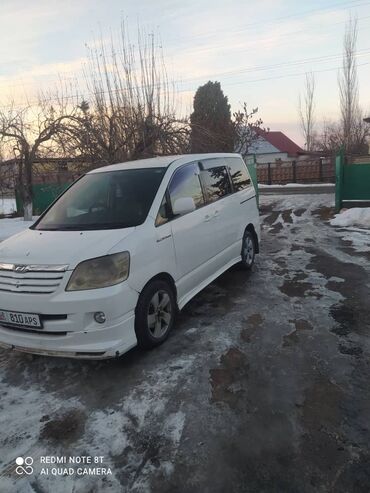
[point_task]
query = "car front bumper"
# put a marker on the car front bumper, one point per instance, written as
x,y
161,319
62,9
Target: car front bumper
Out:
x,y
69,328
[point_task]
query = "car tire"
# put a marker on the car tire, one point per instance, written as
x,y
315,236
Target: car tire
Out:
x,y
155,314
248,250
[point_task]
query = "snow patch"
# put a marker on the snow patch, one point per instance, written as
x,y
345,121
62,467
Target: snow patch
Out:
x,y
192,330
174,426
357,216
108,427
336,279
279,219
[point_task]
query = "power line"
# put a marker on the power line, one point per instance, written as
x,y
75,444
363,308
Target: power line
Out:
x,y
20,82
321,59
76,74
78,97
283,39
286,76
278,20
257,68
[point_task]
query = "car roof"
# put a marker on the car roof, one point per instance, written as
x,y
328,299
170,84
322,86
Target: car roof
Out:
x,y
161,161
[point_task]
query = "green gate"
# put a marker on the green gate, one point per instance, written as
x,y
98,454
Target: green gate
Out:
x,y
352,183
43,195
250,161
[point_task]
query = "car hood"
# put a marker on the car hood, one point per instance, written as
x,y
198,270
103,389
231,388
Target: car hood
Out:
x,y
59,247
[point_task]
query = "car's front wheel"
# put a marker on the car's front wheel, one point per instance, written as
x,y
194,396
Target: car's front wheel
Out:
x,y
155,314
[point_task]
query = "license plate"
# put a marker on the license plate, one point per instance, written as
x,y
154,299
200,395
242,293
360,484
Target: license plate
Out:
x,y
21,319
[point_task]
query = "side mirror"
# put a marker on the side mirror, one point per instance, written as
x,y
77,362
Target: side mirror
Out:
x,y
183,206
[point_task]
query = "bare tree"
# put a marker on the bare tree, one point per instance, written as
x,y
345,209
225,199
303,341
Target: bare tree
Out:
x,y
348,85
332,137
351,132
28,132
306,108
130,109
246,126
129,114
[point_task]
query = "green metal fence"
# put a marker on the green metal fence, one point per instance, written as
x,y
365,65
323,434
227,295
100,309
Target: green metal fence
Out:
x,y
43,196
250,161
352,182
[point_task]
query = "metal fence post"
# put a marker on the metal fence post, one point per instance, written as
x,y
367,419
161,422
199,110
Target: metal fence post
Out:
x,y
256,179
253,174
321,174
339,163
294,169
269,173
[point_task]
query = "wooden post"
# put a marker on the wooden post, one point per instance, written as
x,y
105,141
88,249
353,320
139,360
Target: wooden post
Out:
x,y
269,173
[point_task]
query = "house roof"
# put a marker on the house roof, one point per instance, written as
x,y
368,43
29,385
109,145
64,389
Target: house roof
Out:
x,y
281,142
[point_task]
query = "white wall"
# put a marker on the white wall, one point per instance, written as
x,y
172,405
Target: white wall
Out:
x,y
271,158
7,206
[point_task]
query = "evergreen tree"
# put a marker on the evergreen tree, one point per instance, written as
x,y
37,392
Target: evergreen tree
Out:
x,y
211,126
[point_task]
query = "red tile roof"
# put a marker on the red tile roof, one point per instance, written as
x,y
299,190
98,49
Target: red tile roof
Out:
x,y
281,142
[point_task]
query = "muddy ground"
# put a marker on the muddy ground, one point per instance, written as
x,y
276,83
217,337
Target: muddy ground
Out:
x,y
262,387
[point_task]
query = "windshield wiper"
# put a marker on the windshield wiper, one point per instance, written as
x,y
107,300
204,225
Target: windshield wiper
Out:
x,y
86,227
58,228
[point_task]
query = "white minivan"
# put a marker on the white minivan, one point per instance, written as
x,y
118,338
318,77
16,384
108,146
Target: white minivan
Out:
x,y
109,263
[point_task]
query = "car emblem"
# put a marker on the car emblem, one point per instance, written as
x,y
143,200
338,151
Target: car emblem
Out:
x,y
20,268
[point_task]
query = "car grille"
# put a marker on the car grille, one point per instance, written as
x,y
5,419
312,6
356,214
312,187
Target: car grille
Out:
x,y
33,279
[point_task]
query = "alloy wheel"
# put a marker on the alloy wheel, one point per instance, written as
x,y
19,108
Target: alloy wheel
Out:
x,y
248,250
159,314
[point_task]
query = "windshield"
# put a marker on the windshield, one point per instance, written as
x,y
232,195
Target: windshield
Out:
x,y
107,200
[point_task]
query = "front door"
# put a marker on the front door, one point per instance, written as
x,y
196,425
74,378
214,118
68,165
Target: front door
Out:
x,y
192,232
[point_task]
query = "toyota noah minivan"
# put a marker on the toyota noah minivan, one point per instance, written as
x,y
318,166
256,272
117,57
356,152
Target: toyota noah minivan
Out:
x,y
111,261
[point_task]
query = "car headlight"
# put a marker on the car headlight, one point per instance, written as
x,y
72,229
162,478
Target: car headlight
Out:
x,y
100,272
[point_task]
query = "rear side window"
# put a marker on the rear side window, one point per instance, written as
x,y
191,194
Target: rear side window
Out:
x,y
216,182
239,173
186,183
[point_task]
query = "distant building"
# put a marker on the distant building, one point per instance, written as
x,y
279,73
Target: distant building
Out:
x,y
271,147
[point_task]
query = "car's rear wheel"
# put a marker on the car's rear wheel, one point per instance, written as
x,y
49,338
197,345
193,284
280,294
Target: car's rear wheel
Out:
x,y
155,314
248,250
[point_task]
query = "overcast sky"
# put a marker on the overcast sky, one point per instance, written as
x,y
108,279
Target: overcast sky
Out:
x,y
259,51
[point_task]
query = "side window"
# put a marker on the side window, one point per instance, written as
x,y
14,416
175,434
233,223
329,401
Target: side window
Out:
x,y
185,183
164,213
216,182
239,173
